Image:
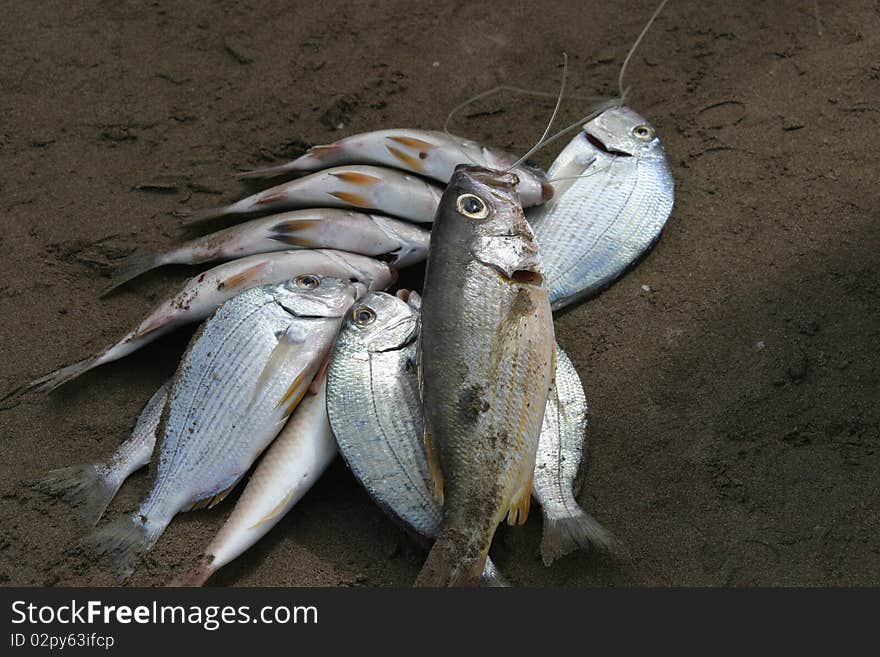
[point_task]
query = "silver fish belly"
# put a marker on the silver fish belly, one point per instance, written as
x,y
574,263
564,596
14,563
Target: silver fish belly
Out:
x,y
614,194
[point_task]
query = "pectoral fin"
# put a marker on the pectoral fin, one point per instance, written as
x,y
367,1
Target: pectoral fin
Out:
x,y
290,343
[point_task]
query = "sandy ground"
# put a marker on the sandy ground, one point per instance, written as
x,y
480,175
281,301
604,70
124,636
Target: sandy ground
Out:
x,y
734,424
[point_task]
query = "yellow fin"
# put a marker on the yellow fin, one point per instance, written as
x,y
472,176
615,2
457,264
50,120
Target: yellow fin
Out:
x,y
352,199
294,394
408,160
275,511
434,471
519,506
214,500
357,178
283,351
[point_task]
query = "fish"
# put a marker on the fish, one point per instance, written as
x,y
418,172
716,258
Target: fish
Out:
x,y
429,153
202,294
375,412
614,195
567,527
485,365
397,243
89,488
379,189
242,376
292,464
376,416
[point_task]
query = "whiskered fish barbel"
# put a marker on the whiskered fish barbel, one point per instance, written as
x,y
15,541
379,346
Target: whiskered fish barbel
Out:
x,y
243,374
202,294
486,362
429,153
378,189
397,243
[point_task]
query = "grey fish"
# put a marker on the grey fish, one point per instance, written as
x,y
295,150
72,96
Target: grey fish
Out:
x,y
375,412
614,194
486,362
89,488
241,377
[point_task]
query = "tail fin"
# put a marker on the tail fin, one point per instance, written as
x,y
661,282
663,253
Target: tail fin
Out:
x,y
132,267
123,543
267,172
492,577
81,486
575,532
196,576
454,560
52,380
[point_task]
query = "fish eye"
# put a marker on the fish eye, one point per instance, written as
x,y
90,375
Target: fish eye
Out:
x,y
472,206
643,132
308,281
364,316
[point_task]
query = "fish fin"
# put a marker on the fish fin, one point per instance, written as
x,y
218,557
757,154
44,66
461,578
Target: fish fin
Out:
x,y
277,197
579,531
123,543
132,267
357,178
286,232
243,276
434,472
414,143
352,199
198,575
294,394
275,511
82,487
49,382
267,172
195,216
456,559
519,505
492,577
211,501
288,345
408,160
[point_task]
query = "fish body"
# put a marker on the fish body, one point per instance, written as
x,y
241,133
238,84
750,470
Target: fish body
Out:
x,y
429,153
375,412
486,360
202,294
292,464
387,191
395,242
241,377
90,488
614,194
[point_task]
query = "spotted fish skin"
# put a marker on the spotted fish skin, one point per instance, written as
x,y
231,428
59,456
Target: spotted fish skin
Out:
x,y
614,194
486,360
242,376
429,153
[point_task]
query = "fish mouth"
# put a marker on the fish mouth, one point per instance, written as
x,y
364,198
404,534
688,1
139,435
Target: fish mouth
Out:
x,y
598,144
527,277
547,191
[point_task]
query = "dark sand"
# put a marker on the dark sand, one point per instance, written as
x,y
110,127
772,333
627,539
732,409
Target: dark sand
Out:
x,y
717,462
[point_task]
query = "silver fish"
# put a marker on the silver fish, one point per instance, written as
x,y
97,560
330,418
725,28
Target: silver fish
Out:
x,y
429,153
89,488
202,294
486,363
242,376
395,242
376,416
614,194
382,190
292,464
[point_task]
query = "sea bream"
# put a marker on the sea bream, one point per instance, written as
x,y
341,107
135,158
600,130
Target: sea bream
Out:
x,y
292,464
429,153
486,362
614,194
398,243
202,294
376,415
387,191
242,376
89,488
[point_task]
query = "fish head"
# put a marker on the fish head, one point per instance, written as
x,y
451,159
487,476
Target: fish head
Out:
x,y
484,205
532,184
382,322
622,131
313,295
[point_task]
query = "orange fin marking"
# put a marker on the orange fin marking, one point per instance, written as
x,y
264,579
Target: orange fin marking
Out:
x,y
242,276
272,198
356,178
323,149
408,160
412,142
352,199
286,232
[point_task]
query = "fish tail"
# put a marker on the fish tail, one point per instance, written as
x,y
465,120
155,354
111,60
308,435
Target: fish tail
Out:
x,y
198,575
83,487
574,532
124,541
268,172
52,380
492,577
132,267
456,559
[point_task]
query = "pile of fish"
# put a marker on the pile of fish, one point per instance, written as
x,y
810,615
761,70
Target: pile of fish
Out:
x,y
453,407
